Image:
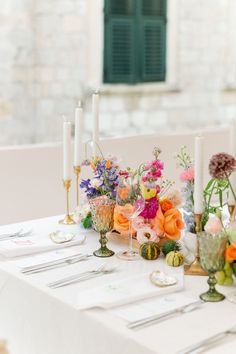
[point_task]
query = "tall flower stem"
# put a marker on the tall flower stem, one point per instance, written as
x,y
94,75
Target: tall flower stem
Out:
x,y
231,188
209,200
130,236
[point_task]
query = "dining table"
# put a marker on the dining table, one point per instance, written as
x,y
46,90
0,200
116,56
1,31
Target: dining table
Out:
x,y
38,319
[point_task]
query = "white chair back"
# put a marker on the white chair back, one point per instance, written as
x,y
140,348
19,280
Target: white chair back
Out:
x,y
30,179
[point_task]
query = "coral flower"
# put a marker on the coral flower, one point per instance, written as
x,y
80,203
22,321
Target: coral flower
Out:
x,y
108,164
166,204
168,225
187,175
230,253
121,223
123,193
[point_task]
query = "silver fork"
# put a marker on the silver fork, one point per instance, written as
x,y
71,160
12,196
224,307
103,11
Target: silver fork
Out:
x,y
208,341
81,276
11,234
15,235
157,318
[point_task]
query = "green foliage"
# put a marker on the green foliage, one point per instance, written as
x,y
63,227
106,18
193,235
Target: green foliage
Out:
x,y
183,158
87,222
214,195
169,246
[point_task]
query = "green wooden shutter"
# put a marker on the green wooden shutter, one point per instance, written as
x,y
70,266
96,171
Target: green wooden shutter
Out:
x,y
153,40
135,41
119,53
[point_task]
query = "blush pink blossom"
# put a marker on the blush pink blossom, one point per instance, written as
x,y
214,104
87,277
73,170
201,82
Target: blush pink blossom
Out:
x,y
187,175
213,225
146,234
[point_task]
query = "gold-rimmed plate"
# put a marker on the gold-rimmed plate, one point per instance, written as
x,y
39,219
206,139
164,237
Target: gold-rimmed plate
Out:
x,y
61,236
162,279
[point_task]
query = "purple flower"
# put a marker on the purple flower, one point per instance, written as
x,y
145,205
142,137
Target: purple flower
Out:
x,y
107,177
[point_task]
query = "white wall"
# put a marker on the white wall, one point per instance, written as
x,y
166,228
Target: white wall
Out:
x,y
51,55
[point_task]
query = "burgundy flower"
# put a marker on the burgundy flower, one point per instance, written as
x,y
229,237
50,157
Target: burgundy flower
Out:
x,y
221,165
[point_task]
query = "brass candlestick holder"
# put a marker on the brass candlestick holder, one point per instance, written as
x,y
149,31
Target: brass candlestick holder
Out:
x,y
231,209
195,268
68,220
77,170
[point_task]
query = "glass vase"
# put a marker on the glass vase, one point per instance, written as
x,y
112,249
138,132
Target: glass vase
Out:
x,y
102,211
211,250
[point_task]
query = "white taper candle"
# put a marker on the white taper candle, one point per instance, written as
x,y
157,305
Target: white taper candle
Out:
x,y
198,179
66,150
95,117
232,151
78,142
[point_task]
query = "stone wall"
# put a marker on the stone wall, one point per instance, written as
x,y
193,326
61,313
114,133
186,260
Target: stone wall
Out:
x,y
17,57
46,51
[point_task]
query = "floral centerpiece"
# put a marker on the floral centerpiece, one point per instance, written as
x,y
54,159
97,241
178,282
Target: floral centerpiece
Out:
x,y
160,219
104,182
215,197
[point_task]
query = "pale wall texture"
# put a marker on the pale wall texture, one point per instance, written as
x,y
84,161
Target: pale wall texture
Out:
x,y
51,56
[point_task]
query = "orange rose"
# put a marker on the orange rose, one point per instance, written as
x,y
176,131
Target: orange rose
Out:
x,y
169,224
166,204
230,253
108,164
121,223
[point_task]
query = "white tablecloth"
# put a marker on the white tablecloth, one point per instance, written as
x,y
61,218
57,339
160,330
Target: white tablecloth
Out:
x,y
37,320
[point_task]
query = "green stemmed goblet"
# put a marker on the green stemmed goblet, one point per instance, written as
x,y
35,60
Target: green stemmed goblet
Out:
x,y
102,211
211,250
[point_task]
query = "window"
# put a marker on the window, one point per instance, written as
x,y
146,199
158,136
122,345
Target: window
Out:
x,y
135,41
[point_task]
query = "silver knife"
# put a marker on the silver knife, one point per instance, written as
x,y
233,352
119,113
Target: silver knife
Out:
x,y
156,318
54,264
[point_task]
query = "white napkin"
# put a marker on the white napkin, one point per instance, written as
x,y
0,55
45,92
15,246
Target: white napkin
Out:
x,y
123,291
33,244
152,307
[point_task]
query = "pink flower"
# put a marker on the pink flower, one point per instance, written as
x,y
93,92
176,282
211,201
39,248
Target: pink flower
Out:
x,y
146,234
213,225
150,210
187,175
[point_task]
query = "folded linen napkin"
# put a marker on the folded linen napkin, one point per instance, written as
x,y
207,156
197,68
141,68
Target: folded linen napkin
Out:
x,y
34,244
126,290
